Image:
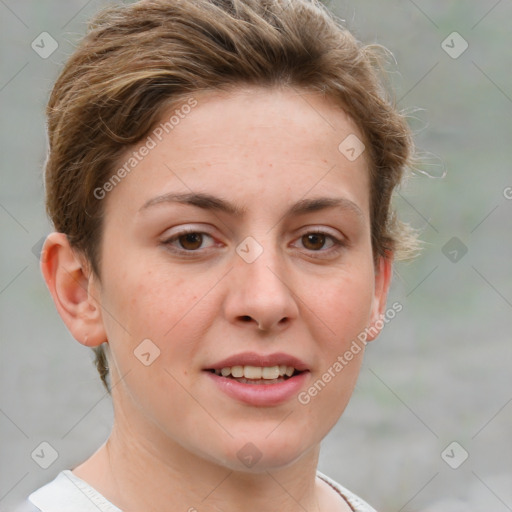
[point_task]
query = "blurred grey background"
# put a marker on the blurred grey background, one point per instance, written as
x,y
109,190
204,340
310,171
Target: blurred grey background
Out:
x,y
440,372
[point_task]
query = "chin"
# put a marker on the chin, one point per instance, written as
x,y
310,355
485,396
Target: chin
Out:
x,y
262,452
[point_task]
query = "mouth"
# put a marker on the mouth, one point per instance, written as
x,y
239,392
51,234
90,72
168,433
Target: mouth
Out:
x,y
259,380
257,375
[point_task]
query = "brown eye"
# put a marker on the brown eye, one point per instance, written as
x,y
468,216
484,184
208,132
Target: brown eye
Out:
x,y
191,241
321,245
314,241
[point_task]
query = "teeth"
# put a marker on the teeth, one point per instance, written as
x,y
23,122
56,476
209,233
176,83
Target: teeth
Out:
x,y
252,372
256,372
270,372
237,371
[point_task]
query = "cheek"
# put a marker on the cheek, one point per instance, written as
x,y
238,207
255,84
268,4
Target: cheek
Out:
x,y
346,312
345,306
153,328
150,302
171,311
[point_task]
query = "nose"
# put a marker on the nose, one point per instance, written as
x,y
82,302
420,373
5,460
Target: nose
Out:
x,y
261,294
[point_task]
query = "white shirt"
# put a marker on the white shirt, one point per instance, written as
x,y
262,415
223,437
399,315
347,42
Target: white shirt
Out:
x,y
68,493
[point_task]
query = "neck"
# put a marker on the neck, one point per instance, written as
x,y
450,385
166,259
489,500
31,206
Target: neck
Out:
x,y
134,474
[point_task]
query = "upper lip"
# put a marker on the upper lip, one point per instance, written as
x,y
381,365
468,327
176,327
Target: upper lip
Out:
x,y
254,359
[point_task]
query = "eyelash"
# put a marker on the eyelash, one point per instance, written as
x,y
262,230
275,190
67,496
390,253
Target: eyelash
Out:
x,y
337,244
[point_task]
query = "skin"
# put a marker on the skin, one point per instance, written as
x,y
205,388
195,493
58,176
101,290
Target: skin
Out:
x,y
176,436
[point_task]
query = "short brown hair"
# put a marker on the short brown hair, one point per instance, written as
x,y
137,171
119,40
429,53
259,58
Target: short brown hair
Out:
x,y
138,60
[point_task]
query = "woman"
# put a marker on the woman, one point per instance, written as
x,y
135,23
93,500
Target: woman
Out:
x,y
219,177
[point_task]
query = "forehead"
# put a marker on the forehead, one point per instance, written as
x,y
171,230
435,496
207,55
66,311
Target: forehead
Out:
x,y
274,143
281,118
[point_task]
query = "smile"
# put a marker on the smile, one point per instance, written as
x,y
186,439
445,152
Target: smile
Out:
x,y
257,374
259,380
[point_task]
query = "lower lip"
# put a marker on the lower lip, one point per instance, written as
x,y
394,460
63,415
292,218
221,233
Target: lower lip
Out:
x,y
264,395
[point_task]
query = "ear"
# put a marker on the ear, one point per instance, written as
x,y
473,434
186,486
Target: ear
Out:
x,y
383,273
74,289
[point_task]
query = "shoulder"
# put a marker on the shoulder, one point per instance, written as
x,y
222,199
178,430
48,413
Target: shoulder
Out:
x,y
68,493
26,506
357,504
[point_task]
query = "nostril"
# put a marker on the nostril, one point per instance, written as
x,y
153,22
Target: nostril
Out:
x,y
246,318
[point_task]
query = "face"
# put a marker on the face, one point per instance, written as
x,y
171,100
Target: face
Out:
x,y
238,250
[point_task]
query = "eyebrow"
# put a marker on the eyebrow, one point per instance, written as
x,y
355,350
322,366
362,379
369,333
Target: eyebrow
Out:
x,y
210,202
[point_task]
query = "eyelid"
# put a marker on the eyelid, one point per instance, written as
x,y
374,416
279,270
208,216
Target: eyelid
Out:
x,y
323,230
318,228
185,229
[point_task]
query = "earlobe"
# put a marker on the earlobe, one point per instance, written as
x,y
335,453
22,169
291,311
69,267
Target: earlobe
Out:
x,y
383,273
72,286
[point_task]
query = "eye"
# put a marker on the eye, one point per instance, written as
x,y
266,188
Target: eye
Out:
x,y
188,241
318,241
193,241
